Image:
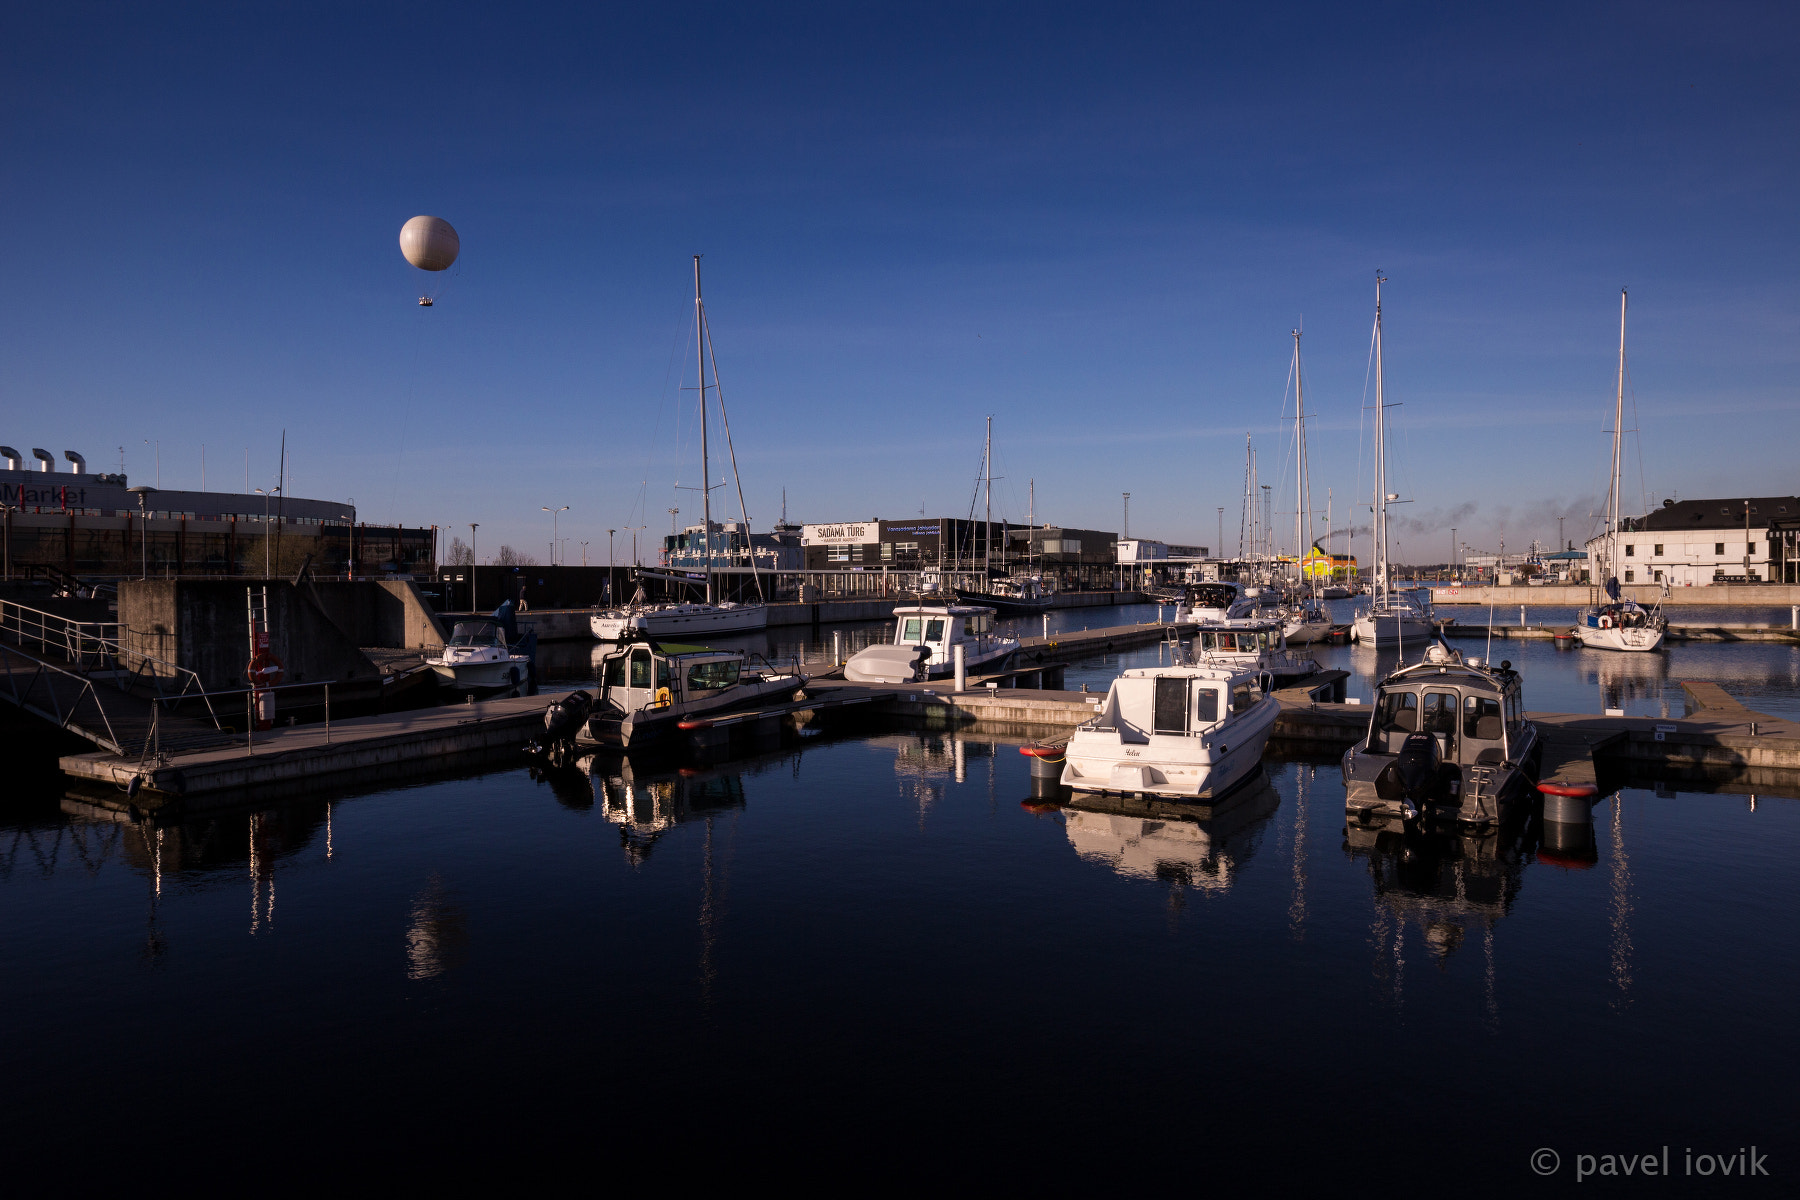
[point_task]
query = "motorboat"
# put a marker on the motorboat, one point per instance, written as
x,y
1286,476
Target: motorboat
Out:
x,y
477,658
1206,602
1020,596
1617,623
677,620
1184,732
647,687
925,638
1258,644
1447,739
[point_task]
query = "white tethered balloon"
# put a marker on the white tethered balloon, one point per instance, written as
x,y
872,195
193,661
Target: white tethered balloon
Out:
x,y
430,244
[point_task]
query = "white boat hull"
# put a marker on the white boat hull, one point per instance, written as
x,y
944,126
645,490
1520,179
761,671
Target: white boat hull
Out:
x,y
1639,638
1304,633
1178,766
696,620
483,676
889,663
1392,629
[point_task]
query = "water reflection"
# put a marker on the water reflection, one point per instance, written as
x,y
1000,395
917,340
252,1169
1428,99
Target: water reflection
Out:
x,y
646,804
438,937
1185,852
1623,678
1447,886
927,764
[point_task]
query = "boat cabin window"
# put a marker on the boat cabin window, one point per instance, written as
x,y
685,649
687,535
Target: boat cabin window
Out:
x,y
640,668
1206,705
1397,717
712,676
1243,696
1481,718
934,630
910,629
475,633
1439,717
978,622
1171,715
615,671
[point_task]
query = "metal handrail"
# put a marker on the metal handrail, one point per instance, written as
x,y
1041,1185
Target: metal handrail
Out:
x,y
24,699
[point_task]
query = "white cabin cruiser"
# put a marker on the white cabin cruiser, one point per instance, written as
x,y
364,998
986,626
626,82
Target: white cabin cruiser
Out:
x,y
648,688
1206,602
1185,732
477,659
925,637
1251,645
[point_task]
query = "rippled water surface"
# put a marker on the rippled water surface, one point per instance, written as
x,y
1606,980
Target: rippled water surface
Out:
x,y
861,961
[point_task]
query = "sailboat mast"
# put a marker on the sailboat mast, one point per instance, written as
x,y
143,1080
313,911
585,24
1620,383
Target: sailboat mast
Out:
x,y
705,468
1299,464
987,532
1618,453
1381,530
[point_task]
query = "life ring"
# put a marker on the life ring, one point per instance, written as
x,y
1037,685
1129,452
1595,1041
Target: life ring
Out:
x,y
1552,788
1605,621
265,670
663,697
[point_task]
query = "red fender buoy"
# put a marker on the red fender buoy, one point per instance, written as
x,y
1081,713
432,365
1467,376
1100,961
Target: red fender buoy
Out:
x,y
1552,788
1042,751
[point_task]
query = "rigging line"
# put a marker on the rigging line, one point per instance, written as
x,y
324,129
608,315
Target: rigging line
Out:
x,y
719,392
1637,432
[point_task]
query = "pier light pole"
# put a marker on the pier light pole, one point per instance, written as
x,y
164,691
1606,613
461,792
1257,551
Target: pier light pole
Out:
x,y
473,526
143,490
350,562
1453,552
555,530
6,512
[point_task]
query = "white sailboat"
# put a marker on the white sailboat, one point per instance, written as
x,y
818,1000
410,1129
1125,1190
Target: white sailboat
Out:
x,y
1619,623
1394,617
685,619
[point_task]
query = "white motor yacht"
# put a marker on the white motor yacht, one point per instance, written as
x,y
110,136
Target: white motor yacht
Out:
x,y
1206,602
1187,732
1250,645
925,637
477,659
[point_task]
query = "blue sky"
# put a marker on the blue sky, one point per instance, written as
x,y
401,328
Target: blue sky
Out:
x,y
1097,223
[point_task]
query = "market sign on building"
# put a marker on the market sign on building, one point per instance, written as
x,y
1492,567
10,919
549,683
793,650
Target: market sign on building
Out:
x,y
853,534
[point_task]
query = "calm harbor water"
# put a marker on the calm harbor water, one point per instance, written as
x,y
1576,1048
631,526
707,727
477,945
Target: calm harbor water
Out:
x,y
863,954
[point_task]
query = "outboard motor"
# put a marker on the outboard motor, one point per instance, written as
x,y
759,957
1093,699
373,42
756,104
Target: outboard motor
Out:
x,y
1417,769
562,721
920,673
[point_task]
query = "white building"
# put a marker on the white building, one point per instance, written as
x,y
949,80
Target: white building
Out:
x,y
1693,543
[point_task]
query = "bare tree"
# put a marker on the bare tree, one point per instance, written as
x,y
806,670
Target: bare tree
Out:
x,y
459,554
508,557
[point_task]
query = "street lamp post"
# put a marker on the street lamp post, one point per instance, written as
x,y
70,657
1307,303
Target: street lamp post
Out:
x,y
350,563
143,490
555,513
6,512
473,526
1453,552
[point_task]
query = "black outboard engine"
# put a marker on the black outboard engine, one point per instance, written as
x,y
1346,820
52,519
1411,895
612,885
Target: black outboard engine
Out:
x,y
562,721
920,672
1417,769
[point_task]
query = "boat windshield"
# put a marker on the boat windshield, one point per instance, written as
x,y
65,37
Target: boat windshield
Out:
x,y
475,633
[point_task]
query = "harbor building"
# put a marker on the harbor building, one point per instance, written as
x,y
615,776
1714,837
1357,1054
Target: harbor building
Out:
x,y
1694,543
1075,558
98,524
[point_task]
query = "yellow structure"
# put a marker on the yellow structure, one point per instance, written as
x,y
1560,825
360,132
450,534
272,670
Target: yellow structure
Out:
x,y
1317,565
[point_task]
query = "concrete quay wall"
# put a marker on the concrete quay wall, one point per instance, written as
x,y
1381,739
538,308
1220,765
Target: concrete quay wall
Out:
x,y
1748,594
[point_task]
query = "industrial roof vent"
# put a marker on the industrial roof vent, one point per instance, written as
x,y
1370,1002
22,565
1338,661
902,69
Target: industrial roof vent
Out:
x,y
46,458
80,462
11,456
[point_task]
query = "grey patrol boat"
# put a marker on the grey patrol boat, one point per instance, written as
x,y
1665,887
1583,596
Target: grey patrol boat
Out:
x,y
1448,739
